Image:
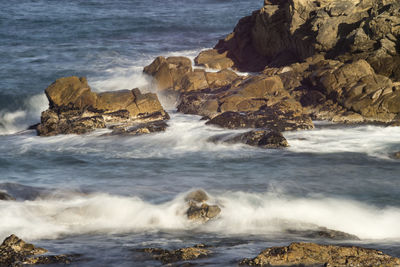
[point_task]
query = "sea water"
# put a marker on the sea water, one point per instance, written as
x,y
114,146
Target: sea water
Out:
x,y
105,197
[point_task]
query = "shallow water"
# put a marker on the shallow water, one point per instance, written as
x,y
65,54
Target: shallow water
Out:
x,y
103,197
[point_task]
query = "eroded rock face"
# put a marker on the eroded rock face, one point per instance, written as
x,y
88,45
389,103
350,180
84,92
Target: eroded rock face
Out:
x,y
16,252
198,209
75,109
325,255
183,254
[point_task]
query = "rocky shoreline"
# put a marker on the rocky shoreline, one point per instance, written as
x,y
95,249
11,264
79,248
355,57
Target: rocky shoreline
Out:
x,y
309,60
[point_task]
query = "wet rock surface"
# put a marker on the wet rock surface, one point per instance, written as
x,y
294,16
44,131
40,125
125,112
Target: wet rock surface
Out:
x,y
178,255
75,109
16,252
257,138
199,210
311,254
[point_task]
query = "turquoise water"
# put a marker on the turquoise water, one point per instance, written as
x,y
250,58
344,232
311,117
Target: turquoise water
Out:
x,y
103,197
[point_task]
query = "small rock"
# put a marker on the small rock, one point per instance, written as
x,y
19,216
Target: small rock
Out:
x,y
183,254
323,232
301,254
396,155
16,252
199,210
261,138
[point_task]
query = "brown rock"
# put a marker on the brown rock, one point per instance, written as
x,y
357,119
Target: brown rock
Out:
x,y
16,252
326,255
396,155
74,109
214,60
183,254
197,196
199,210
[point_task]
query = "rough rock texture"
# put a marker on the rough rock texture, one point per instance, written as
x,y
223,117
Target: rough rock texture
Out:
x,y
75,109
257,138
311,254
198,209
5,196
339,58
183,254
16,252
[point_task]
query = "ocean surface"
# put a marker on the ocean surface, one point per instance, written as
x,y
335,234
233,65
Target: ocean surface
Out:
x,y
105,197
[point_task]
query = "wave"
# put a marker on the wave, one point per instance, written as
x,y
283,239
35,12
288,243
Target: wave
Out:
x,y
242,213
375,141
18,120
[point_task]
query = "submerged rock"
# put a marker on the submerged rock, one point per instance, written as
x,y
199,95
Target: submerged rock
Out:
x,y
75,109
199,210
16,252
183,254
5,196
325,233
258,138
310,254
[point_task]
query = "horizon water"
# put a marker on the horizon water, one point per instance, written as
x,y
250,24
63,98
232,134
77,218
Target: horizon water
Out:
x,y
104,197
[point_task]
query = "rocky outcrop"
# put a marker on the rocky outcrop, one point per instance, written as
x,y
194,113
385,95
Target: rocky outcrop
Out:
x,y
75,109
183,254
198,209
310,254
16,252
339,58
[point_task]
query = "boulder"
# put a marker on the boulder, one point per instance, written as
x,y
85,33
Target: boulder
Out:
x,y
325,255
16,252
5,196
75,109
198,209
214,60
182,254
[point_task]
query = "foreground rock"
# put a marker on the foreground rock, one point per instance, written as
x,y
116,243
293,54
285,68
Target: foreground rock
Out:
x,y
310,254
199,210
75,109
183,254
16,252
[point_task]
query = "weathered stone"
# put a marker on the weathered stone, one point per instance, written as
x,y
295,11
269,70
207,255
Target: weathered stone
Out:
x,y
5,196
324,255
199,210
74,109
140,129
183,254
214,60
15,252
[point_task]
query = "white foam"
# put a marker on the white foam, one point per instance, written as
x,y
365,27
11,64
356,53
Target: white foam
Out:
x,y
15,121
377,141
242,214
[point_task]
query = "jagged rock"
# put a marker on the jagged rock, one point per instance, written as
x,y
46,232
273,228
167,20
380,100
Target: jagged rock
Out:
x,y
5,196
16,252
199,210
183,254
325,255
74,109
214,60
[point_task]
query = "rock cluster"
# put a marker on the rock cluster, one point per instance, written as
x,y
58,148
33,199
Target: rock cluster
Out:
x,y
333,60
310,254
198,209
16,252
75,109
182,254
